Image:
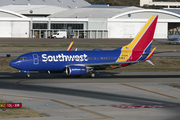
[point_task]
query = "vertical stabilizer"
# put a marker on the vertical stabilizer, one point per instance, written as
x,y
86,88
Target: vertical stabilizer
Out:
x,y
141,43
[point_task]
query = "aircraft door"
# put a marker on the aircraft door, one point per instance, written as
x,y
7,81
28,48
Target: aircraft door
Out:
x,y
35,59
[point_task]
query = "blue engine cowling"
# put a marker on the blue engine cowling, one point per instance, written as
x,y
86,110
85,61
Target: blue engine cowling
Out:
x,y
76,70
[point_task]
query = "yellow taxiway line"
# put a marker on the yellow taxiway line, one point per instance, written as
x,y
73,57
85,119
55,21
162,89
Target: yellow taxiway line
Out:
x,y
149,91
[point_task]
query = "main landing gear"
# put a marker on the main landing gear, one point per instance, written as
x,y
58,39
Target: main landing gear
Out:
x,y
91,74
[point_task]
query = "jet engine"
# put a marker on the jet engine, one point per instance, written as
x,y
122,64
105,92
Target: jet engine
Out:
x,y
76,70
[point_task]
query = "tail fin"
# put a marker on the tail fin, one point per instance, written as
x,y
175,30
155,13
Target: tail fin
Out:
x,y
141,43
144,38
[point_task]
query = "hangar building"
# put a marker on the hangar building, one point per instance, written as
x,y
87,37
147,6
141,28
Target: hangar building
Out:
x,y
13,24
86,21
120,22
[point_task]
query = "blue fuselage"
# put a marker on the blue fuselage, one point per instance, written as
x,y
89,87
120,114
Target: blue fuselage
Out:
x,y
58,60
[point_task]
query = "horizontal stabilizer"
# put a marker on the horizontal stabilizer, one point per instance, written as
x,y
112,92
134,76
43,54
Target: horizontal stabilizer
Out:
x,y
150,62
150,55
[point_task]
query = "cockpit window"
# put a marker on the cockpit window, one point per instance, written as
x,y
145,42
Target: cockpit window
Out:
x,y
21,58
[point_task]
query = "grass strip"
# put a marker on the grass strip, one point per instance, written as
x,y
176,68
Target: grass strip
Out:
x,y
54,47
174,85
19,112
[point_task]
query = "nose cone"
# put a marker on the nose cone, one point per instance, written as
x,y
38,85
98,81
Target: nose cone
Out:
x,y
14,64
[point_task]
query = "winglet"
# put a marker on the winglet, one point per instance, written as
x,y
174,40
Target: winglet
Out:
x,y
150,55
70,46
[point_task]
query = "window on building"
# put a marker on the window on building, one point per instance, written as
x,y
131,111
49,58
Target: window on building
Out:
x,y
66,26
58,26
39,25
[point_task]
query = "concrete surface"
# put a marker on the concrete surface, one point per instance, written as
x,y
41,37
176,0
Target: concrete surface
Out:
x,y
68,98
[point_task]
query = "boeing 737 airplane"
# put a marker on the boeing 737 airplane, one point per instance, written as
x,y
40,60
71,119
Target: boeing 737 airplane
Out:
x,y
87,62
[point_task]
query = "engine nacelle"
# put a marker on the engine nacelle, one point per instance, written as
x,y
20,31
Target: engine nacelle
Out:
x,y
76,70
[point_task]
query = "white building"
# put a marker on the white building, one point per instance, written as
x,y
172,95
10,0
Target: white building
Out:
x,y
160,3
85,22
121,22
13,24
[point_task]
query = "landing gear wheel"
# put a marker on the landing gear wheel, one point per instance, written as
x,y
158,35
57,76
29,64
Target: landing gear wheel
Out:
x,y
92,75
28,75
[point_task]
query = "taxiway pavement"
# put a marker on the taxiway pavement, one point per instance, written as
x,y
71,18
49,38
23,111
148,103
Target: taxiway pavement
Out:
x,y
68,98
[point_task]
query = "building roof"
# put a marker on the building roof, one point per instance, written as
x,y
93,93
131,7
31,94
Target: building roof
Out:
x,y
94,12
9,15
177,11
34,9
60,3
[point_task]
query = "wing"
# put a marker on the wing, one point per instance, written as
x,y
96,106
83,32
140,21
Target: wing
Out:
x,y
173,41
109,63
99,66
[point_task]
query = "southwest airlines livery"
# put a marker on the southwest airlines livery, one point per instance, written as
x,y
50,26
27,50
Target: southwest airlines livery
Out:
x,y
82,62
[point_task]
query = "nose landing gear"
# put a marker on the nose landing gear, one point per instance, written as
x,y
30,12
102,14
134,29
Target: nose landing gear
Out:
x,y
28,75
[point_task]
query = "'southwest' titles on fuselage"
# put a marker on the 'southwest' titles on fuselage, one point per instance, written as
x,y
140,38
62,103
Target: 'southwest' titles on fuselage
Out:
x,y
61,57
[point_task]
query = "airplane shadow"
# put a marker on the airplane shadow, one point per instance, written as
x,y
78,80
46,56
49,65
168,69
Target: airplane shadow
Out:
x,y
64,76
85,93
